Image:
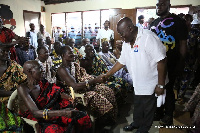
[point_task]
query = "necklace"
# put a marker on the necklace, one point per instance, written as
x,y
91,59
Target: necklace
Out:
x,y
71,68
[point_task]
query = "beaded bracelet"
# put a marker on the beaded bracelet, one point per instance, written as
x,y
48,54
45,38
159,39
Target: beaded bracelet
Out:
x,y
46,113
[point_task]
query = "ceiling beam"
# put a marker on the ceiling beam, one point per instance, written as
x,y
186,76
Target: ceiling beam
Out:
x,y
58,1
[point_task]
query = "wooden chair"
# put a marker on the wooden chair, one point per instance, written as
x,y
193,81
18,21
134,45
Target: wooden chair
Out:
x,y
11,104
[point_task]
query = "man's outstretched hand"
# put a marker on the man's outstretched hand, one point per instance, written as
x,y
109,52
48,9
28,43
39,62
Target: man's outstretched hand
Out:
x,y
101,78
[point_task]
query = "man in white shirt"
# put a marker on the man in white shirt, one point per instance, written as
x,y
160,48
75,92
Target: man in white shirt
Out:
x,y
84,42
58,34
145,59
105,33
42,34
33,36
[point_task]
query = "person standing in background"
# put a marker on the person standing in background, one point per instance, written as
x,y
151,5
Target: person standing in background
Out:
x,y
42,34
33,36
105,33
172,31
140,21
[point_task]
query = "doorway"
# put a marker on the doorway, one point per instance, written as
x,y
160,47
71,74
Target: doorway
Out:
x,y
31,17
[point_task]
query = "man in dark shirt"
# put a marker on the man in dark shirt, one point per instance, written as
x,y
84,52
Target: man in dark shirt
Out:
x,y
172,31
25,52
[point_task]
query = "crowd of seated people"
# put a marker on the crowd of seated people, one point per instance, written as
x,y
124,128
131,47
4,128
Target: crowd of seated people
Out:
x,y
49,69
42,77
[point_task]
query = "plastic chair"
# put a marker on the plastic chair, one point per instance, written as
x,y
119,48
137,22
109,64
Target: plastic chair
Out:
x,y
74,95
10,106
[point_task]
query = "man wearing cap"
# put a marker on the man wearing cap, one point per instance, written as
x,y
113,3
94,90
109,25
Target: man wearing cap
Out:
x,y
140,21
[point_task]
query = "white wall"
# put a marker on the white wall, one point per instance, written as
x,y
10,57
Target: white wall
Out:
x,y
17,7
105,4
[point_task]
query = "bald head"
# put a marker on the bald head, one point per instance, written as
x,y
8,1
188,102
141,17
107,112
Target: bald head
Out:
x,y
126,21
126,29
29,65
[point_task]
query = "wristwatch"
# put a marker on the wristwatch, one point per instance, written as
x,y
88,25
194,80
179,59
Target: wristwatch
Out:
x,y
160,86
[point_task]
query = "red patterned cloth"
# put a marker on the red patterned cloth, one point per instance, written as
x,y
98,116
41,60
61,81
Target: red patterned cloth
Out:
x,y
49,98
6,36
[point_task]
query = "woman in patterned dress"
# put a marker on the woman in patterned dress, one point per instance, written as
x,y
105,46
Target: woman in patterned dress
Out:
x,y
99,98
11,75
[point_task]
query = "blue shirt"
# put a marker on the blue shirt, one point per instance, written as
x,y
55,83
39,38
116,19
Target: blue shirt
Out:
x,y
24,56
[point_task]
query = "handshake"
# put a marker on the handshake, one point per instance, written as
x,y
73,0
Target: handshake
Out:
x,y
101,78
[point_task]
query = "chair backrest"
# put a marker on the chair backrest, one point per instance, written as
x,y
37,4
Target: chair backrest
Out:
x,y
13,105
12,102
74,95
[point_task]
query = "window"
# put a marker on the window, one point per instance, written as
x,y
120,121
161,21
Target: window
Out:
x,y
74,26
58,20
80,25
90,20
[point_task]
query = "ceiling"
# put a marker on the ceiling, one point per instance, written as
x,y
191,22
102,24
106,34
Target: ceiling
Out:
x,y
58,1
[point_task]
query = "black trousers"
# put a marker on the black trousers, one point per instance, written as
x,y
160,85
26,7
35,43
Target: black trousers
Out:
x,y
169,99
144,109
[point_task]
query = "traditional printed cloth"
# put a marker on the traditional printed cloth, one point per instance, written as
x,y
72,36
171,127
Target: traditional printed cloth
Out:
x,y
11,78
117,84
77,54
9,121
109,59
6,36
101,100
193,105
49,98
191,65
56,59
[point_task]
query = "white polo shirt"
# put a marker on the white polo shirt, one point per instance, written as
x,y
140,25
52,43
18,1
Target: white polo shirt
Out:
x,y
141,61
102,33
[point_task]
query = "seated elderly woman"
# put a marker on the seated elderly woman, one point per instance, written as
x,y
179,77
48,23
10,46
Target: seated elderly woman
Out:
x,y
11,75
46,61
95,65
99,99
45,103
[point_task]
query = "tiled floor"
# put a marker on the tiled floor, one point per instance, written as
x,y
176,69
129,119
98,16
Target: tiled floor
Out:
x,y
126,117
